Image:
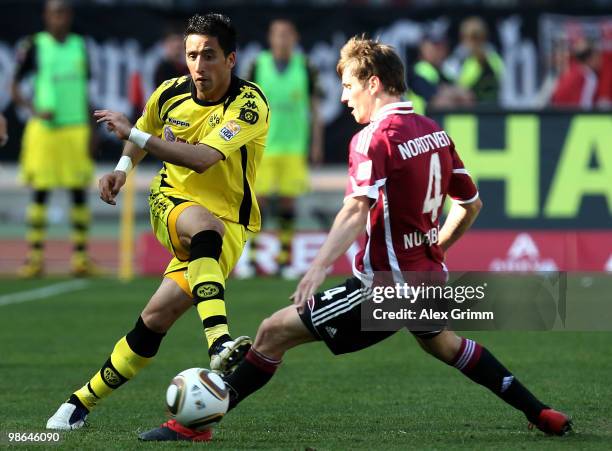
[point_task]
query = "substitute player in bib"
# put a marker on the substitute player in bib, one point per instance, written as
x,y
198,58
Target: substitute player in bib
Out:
x,y
389,194
56,140
296,130
209,129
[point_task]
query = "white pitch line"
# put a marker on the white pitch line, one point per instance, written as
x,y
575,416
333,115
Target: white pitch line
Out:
x,y
43,292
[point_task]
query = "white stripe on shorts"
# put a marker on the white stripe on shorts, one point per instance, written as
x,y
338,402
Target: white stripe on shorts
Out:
x,y
334,305
356,298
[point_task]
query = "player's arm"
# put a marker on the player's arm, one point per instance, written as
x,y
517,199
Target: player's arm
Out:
x,y
316,126
466,203
350,222
316,147
110,184
460,218
198,157
195,157
26,63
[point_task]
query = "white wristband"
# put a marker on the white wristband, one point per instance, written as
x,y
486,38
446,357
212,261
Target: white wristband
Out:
x,y
124,164
139,137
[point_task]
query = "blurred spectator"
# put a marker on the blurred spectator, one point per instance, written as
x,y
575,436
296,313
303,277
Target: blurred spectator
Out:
x,y
558,62
173,62
429,85
56,140
3,130
577,85
480,68
290,84
604,89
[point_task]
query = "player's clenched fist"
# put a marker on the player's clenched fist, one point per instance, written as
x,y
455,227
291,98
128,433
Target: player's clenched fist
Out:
x,y
110,185
116,122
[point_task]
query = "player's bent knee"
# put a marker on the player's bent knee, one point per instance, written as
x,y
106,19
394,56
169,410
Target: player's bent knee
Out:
x,y
214,224
194,221
280,332
273,336
270,333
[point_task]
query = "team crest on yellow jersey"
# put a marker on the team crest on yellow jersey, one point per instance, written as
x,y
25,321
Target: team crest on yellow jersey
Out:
x,y
214,120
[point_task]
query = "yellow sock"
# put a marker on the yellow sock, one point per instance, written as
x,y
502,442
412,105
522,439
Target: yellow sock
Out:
x,y
130,355
207,284
80,217
37,221
208,287
122,365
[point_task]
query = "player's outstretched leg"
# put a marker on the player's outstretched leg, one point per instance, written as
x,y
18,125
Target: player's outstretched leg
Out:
x,y
202,233
477,363
277,334
131,354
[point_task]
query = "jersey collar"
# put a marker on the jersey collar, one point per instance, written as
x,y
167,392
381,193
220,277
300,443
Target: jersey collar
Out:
x,y
393,108
232,88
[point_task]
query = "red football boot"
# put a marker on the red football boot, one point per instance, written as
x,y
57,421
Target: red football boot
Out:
x,y
173,431
552,422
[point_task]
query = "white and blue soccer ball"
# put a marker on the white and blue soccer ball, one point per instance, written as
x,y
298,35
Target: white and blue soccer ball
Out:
x,y
197,398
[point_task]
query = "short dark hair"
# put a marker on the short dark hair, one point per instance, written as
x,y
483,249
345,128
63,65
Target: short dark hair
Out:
x,y
217,25
372,58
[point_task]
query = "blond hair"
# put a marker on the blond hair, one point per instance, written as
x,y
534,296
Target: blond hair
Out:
x,y
372,58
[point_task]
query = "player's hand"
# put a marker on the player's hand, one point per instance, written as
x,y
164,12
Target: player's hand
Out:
x,y
308,286
45,115
110,185
118,123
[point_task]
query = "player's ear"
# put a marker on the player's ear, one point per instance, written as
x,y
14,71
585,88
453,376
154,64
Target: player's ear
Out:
x,y
374,84
231,60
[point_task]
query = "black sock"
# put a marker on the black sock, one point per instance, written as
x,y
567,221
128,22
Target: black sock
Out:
x,y
253,373
477,363
215,348
74,400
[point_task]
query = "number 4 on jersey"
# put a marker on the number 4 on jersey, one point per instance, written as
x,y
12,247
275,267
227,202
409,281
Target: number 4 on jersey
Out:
x,y
328,295
433,199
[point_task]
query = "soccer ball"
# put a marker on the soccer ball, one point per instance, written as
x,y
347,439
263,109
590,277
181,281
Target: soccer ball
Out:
x,y
197,398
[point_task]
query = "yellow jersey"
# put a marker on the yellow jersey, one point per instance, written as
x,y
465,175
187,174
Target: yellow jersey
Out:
x,y
236,125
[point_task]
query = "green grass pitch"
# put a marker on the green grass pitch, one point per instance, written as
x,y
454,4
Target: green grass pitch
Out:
x,y
391,396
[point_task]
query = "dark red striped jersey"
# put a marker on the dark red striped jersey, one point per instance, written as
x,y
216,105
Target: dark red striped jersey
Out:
x,y
407,165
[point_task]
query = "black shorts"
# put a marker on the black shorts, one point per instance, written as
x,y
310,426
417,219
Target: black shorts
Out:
x,y
334,316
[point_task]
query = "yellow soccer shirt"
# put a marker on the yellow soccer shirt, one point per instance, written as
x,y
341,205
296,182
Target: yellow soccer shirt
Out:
x,y
236,126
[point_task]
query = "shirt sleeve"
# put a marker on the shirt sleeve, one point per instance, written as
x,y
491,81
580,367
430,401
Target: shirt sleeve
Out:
x,y
245,119
367,165
150,121
461,187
